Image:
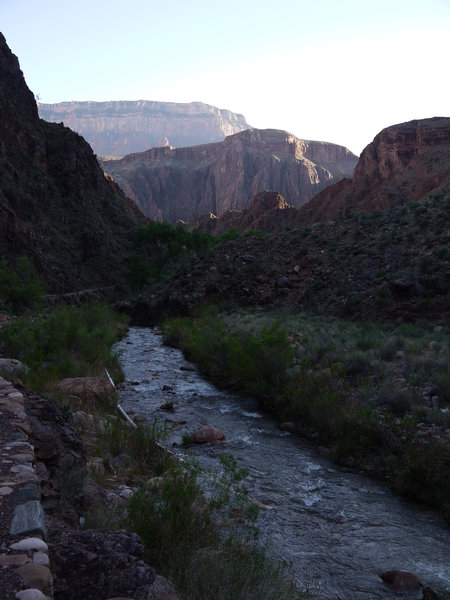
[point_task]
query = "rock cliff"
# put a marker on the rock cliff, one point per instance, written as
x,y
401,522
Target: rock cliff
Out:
x,y
56,205
186,183
405,162
123,127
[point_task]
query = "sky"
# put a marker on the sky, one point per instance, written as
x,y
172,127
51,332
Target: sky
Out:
x,y
332,70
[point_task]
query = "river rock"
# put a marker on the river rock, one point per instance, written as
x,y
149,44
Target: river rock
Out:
x,y
401,581
206,435
287,426
430,594
36,576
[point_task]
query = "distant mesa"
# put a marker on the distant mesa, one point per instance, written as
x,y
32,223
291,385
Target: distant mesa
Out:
x,y
117,128
169,184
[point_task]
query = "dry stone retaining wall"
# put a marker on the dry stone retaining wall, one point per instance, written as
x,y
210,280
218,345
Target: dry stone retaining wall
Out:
x,y
24,563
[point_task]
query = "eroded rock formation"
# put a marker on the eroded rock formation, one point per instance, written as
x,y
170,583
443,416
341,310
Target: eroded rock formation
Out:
x,y
405,162
268,211
185,183
121,127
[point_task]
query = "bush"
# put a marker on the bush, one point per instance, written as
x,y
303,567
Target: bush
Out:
x,y
185,537
66,342
252,363
20,285
160,248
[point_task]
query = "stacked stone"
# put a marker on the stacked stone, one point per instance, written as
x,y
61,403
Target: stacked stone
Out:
x,y
24,563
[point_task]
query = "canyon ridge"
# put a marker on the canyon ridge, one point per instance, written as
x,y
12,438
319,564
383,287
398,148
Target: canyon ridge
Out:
x,y
117,128
171,184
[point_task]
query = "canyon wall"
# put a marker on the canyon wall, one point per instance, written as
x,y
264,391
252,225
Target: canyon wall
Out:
x,y
185,183
408,161
121,127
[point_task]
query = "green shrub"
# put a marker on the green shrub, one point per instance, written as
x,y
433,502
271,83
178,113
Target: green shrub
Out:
x,y
253,363
424,473
20,285
186,537
66,342
160,248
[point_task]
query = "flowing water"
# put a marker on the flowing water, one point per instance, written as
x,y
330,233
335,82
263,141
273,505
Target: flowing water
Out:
x,y
339,529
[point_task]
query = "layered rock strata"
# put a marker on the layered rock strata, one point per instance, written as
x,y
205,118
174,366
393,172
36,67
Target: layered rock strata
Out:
x,y
122,127
408,161
185,183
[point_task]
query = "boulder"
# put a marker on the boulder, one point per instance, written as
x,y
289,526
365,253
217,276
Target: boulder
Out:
x,y
12,369
401,581
90,390
206,435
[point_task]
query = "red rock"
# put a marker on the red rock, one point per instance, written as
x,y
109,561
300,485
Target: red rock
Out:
x,y
206,435
9,560
401,581
227,175
268,211
88,389
409,161
22,425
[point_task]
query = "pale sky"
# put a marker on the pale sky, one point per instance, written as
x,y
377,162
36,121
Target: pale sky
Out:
x,y
331,70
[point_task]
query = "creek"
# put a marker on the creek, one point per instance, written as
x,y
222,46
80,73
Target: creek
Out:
x,y
338,528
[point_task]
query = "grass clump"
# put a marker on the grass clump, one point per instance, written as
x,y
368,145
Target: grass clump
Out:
x,y
141,444
65,342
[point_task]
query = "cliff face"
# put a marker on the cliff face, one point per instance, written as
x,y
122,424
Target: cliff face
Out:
x,y
409,161
56,205
123,127
185,183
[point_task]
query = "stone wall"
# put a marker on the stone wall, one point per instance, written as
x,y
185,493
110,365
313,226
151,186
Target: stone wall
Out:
x,y
25,566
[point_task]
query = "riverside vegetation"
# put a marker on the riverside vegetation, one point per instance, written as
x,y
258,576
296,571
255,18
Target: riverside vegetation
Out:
x,y
377,396
207,545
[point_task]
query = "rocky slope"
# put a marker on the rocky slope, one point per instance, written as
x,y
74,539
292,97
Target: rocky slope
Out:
x,y
185,183
121,127
409,161
56,205
268,211
391,264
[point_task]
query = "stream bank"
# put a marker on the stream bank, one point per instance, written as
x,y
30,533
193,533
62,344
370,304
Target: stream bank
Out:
x,y
339,530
